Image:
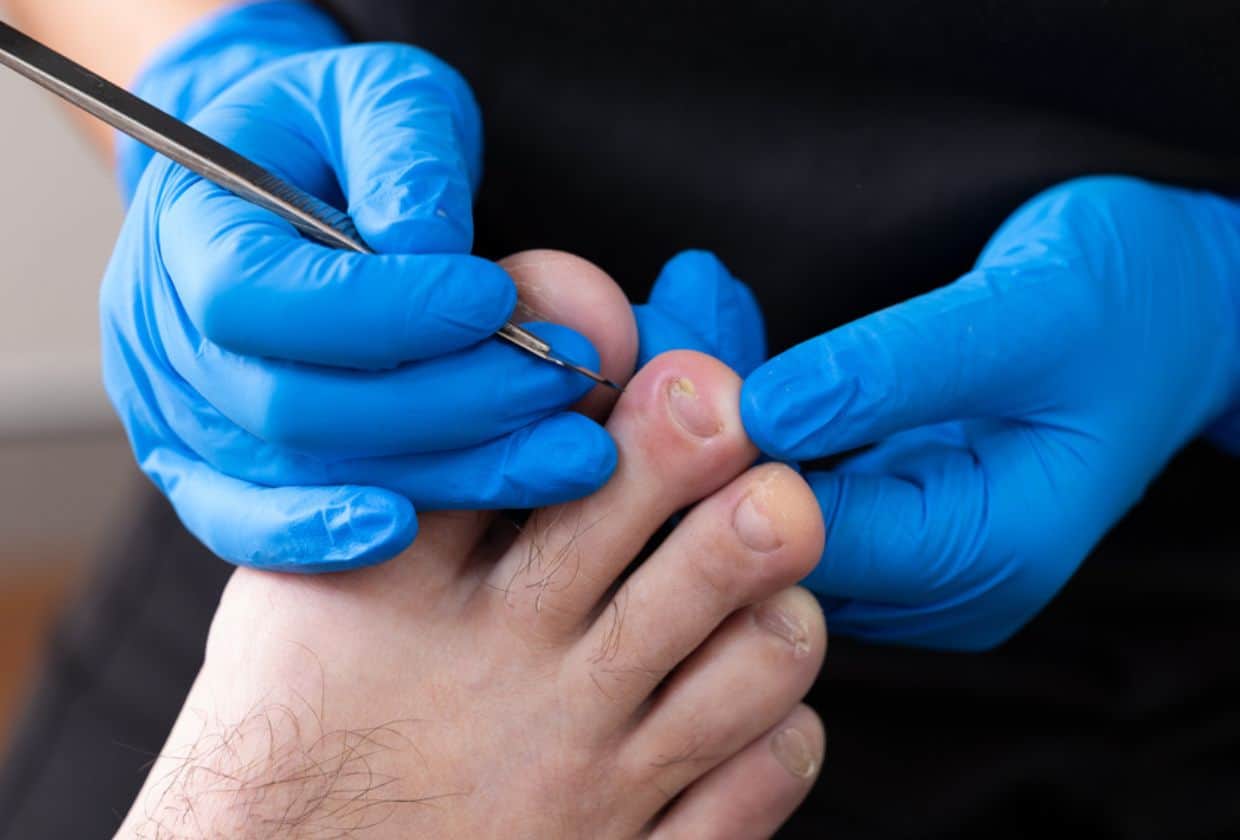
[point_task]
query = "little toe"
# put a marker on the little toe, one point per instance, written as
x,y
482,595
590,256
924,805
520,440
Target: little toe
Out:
x,y
679,437
750,674
759,535
753,793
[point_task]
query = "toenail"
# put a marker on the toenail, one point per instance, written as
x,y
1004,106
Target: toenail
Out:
x,y
793,751
791,630
695,415
754,527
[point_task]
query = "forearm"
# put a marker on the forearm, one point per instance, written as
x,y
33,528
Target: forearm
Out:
x,y
115,38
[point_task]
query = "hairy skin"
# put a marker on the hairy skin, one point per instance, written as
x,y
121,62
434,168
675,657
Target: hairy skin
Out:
x,y
278,773
535,680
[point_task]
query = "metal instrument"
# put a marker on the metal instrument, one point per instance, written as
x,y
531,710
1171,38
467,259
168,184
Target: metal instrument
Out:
x,y
214,161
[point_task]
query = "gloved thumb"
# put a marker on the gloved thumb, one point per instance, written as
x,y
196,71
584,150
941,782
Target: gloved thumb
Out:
x,y
973,348
697,304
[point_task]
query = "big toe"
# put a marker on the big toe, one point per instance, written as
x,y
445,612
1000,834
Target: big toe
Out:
x,y
568,290
679,436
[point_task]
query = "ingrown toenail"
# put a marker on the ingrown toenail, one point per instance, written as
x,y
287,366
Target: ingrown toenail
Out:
x,y
791,630
754,527
694,414
793,751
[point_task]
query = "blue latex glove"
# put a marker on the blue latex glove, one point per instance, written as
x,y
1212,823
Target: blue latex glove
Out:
x,y
697,304
294,402
1018,412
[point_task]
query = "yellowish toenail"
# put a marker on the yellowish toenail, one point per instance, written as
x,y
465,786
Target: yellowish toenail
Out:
x,y
753,525
790,629
794,753
694,414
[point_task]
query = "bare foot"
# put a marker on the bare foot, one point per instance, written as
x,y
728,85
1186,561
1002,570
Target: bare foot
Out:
x,y
536,682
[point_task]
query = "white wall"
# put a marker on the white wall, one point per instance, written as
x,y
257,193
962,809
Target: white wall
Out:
x,y
65,473
58,219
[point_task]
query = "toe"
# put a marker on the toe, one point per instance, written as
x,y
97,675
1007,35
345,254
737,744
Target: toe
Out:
x,y
566,289
750,674
755,791
679,437
759,535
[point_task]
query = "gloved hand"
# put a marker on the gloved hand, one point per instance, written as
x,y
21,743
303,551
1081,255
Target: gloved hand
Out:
x,y
1017,412
294,402
697,304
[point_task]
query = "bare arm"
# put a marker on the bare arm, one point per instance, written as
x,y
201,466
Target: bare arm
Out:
x,y
112,37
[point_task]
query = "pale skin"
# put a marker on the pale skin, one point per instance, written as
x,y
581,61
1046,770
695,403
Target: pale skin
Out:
x,y
495,681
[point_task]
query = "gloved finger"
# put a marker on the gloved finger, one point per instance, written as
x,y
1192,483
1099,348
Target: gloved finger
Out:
x,y
564,457
976,537
209,57
976,619
287,529
938,625
891,455
556,460
252,285
410,148
399,132
658,332
448,402
980,346
696,304
389,129
562,288
903,537
945,537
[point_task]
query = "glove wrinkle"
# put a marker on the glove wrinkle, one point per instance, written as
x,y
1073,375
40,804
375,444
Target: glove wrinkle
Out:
x,y
293,401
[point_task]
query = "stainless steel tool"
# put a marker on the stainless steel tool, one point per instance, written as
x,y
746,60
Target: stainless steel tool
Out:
x,y
214,161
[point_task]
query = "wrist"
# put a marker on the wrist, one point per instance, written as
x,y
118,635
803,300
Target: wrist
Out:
x,y
214,54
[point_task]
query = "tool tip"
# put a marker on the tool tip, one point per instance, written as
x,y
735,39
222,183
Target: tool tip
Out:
x,y
586,372
601,380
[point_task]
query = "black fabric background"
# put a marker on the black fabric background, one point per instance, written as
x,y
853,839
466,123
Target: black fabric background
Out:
x,y
839,157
